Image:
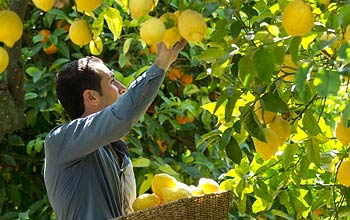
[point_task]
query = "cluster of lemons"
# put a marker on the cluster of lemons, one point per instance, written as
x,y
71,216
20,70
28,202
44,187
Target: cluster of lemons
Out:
x,y
166,188
169,27
276,132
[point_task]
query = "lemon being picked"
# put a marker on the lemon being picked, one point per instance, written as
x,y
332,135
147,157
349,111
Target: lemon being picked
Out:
x,y
152,31
139,8
342,133
4,59
145,201
192,26
79,32
343,175
88,6
208,186
11,27
269,148
297,18
172,34
44,5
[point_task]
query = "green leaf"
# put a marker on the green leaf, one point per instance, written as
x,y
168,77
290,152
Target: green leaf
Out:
x,y
15,140
37,206
236,27
168,169
141,162
288,155
231,102
8,159
114,22
310,124
253,127
264,64
14,194
301,77
59,62
126,45
247,72
294,48
146,184
272,102
226,137
233,151
327,82
30,95
259,205
313,151
211,54
63,49
344,51
344,15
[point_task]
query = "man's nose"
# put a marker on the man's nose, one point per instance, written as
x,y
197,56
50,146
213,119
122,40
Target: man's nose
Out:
x,y
121,88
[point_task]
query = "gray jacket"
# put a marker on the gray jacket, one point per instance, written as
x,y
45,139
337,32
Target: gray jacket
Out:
x,y
82,177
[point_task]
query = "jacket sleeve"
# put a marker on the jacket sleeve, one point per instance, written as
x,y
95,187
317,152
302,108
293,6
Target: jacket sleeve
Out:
x,y
73,141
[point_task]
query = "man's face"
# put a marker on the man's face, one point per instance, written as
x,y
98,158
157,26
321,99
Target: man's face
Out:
x,y
111,87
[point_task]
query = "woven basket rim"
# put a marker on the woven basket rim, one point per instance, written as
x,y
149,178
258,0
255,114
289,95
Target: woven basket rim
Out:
x,y
182,205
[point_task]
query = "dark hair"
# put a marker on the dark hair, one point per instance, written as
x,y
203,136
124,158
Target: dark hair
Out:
x,y
75,77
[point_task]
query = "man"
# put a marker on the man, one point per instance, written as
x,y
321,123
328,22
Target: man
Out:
x,y
88,173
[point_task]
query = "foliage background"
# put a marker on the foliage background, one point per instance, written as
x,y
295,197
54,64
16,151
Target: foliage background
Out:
x,y
236,65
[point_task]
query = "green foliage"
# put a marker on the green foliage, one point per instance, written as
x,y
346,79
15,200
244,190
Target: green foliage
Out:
x,y
238,63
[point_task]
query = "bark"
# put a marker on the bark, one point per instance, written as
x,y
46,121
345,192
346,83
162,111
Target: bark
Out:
x,y
12,92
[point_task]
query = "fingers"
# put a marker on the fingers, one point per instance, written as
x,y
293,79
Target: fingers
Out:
x,y
179,46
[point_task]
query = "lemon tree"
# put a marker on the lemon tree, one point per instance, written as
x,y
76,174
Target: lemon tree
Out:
x,y
257,101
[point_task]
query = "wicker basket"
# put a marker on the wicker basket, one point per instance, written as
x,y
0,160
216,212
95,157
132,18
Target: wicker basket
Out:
x,y
213,206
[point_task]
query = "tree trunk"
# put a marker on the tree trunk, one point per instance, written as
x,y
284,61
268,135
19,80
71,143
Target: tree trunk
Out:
x,y
12,93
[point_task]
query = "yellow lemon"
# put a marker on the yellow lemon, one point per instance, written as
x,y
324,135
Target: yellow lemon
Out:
x,y
79,32
208,185
11,27
88,5
96,46
267,149
192,25
44,5
163,180
289,68
172,194
196,191
4,59
342,133
145,201
172,34
139,8
281,127
297,18
343,175
263,115
152,31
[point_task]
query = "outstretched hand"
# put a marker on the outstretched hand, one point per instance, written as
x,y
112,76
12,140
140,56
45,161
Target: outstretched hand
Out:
x,y
166,56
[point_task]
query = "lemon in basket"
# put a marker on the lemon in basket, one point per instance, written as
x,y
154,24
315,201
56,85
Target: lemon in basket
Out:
x,y
172,194
161,180
145,201
208,186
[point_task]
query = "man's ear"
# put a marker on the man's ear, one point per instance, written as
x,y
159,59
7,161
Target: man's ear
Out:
x,y
91,97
